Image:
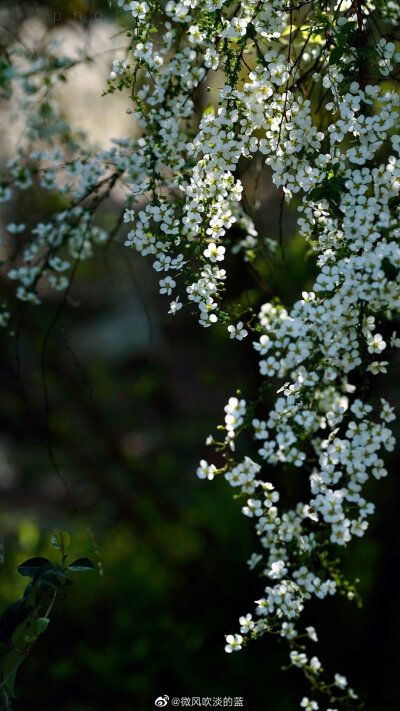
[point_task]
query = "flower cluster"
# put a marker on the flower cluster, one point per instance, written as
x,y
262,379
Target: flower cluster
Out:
x,y
349,212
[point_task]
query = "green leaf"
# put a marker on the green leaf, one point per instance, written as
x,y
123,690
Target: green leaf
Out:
x,y
209,109
61,541
317,192
33,566
347,27
39,626
29,630
336,55
19,633
80,565
49,580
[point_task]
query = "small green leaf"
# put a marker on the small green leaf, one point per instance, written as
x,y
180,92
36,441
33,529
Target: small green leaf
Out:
x,y
29,630
336,55
19,633
347,27
80,565
39,626
61,541
209,109
33,566
317,192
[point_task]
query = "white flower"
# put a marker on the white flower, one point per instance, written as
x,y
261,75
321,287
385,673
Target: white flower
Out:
x,y
378,367
311,631
237,331
60,265
315,665
340,681
246,623
58,282
5,194
15,229
308,704
205,470
394,340
234,643
278,570
214,253
376,344
299,659
174,306
254,560
166,285
119,67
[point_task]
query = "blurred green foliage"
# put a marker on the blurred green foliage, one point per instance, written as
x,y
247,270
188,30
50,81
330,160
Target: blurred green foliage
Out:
x,y
26,618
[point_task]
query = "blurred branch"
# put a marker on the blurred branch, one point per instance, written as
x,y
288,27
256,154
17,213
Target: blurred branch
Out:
x,y
4,701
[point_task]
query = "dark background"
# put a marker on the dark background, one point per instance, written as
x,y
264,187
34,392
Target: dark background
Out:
x,y
133,393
